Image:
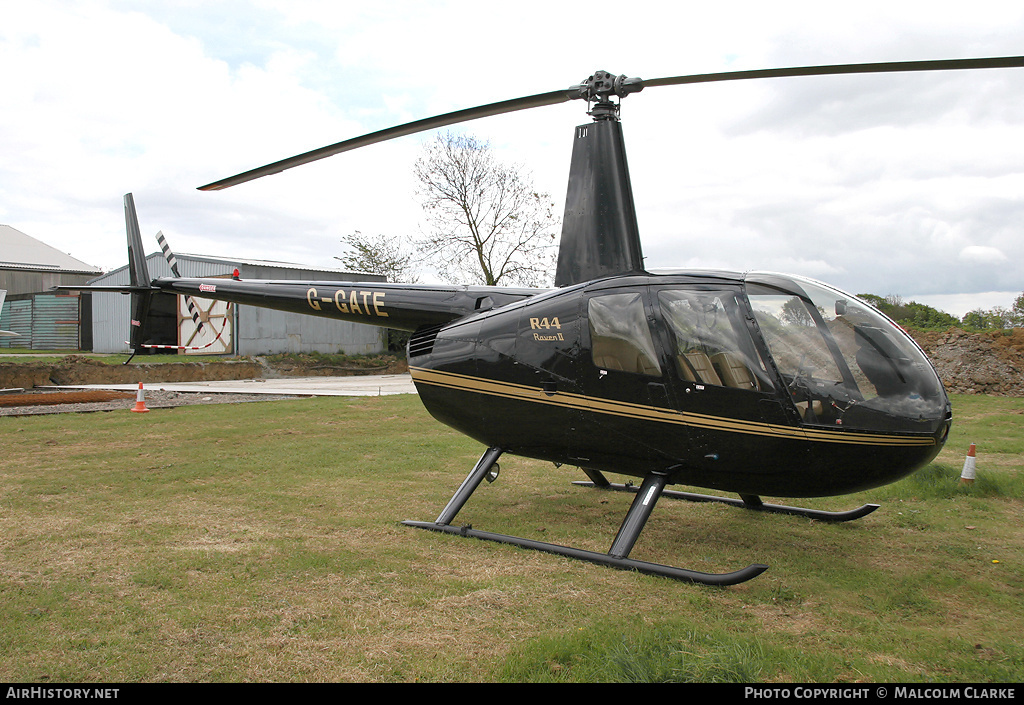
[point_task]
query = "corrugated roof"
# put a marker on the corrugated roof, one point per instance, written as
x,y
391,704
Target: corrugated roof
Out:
x,y
21,251
157,267
260,263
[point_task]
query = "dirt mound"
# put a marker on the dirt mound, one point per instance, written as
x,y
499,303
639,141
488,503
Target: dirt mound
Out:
x,y
79,369
977,363
293,365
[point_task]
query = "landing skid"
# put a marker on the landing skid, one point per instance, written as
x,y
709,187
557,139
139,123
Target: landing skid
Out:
x,y
746,501
617,557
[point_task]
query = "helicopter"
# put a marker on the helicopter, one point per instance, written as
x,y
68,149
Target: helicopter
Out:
x,y
750,383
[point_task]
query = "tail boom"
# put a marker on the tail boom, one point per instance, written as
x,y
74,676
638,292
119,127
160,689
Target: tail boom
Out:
x,y
398,306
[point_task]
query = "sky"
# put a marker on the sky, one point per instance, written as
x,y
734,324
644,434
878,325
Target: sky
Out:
x,y
892,184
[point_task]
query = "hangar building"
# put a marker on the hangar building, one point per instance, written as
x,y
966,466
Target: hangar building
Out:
x,y
231,329
43,319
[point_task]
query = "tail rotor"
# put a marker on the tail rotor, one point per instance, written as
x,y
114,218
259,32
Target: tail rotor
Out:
x,y
143,291
173,263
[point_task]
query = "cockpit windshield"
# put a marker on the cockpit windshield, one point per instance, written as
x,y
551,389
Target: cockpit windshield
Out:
x,y
845,363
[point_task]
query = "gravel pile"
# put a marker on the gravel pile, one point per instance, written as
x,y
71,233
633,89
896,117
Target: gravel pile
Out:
x,y
55,402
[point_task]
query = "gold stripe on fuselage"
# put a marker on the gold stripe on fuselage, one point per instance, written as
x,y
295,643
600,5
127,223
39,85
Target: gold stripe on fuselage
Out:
x,y
536,395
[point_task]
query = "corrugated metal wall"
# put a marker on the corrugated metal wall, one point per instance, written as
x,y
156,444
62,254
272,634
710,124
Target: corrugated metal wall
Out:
x,y
265,331
258,331
17,318
112,312
43,322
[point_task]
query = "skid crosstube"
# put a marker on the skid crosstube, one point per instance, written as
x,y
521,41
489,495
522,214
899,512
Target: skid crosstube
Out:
x,y
752,502
618,555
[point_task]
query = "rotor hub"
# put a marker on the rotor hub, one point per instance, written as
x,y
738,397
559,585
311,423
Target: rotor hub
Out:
x,y
601,87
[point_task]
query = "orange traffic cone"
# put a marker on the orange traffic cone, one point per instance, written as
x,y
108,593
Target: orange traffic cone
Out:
x,y
140,400
968,474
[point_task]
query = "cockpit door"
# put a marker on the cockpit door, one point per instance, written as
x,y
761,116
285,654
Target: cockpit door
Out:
x,y
719,377
625,400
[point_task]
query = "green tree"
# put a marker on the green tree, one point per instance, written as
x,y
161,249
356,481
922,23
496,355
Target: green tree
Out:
x,y
925,317
1017,311
976,319
992,319
912,314
876,301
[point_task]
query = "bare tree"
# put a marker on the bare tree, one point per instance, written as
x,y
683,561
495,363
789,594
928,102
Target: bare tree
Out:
x,y
379,255
488,225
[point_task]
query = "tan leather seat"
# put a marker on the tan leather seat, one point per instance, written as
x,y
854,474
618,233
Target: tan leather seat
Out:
x,y
697,367
732,372
621,355
806,407
608,362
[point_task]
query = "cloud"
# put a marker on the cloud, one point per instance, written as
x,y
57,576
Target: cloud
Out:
x,y
883,184
977,254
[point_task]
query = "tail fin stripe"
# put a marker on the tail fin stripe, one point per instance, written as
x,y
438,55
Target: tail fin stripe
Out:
x,y
168,255
173,262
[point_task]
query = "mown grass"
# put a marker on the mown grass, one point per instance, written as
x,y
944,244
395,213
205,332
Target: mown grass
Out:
x,y
261,542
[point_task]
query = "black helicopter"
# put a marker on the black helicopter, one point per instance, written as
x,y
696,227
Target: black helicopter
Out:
x,y
750,383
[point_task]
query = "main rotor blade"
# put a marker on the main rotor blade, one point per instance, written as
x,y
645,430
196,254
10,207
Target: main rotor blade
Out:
x,y
565,95
505,106
886,67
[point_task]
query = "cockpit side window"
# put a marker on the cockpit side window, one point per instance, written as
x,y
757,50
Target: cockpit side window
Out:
x,y
794,338
711,342
620,336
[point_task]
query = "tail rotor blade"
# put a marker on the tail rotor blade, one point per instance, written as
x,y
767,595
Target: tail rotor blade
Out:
x,y
168,254
172,261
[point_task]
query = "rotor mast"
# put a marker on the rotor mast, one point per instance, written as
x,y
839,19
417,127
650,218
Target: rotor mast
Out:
x,y
600,235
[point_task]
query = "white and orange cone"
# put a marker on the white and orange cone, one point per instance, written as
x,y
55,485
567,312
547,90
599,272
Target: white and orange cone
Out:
x,y
140,400
969,471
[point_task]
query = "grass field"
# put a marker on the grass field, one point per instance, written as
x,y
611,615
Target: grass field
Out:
x,y
261,542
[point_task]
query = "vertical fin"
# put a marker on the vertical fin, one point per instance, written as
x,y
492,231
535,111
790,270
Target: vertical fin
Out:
x,y
600,235
137,269
139,273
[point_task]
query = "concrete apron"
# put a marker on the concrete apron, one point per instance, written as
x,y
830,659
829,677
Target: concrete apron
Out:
x,y
355,386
